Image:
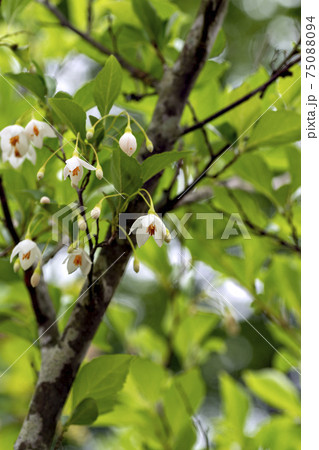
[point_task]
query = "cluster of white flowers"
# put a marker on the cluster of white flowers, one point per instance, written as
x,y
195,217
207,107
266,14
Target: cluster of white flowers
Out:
x,y
17,143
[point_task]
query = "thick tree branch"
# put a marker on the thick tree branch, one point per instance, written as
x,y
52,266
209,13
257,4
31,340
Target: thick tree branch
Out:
x,y
283,71
40,298
64,22
59,368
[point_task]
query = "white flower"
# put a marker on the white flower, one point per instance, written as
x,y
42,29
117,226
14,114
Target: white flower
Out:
x,y
78,258
45,200
96,212
29,253
37,130
74,169
128,143
15,146
149,225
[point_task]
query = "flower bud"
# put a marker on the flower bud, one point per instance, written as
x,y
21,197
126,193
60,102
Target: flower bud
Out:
x,y
40,173
81,223
136,265
35,279
16,265
167,237
99,172
128,143
96,212
149,145
45,200
90,133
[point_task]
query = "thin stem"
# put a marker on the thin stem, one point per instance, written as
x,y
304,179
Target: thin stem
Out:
x,y
281,73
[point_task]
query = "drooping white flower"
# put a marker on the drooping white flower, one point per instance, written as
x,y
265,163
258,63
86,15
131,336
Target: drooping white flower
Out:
x,y
37,131
78,258
128,143
74,169
16,146
29,253
146,226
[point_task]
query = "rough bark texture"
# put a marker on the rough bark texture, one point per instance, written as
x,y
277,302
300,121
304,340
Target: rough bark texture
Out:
x,y
61,361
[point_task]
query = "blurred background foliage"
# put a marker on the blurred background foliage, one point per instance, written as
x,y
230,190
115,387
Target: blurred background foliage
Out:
x,y
201,349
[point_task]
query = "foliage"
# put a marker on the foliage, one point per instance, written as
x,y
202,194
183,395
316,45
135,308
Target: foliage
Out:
x,y
203,344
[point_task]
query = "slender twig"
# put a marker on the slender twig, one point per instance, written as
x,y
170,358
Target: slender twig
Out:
x,y
138,97
89,16
40,299
7,215
203,130
170,203
258,230
64,22
282,72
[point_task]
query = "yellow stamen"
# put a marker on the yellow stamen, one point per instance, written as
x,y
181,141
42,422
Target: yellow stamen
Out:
x,y
76,171
36,130
26,255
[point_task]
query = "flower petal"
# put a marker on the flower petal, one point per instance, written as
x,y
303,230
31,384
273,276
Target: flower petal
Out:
x,y
70,265
87,165
136,224
31,155
141,236
16,250
76,178
86,263
73,162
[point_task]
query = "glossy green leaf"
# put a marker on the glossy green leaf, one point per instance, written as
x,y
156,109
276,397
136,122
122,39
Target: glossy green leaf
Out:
x,y
126,172
32,81
85,413
101,379
150,20
11,8
84,96
108,85
70,114
275,128
156,163
274,388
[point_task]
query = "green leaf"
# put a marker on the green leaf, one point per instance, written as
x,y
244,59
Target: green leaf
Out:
x,y
32,81
85,413
152,24
191,386
70,114
108,85
235,403
125,172
149,378
274,128
101,379
274,388
156,163
10,8
84,96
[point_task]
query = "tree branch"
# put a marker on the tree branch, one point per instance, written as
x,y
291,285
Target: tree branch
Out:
x,y
64,22
59,367
40,298
282,72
